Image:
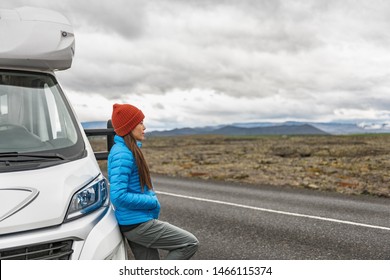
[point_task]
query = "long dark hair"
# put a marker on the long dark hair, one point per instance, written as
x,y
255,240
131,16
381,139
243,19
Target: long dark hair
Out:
x,y
143,169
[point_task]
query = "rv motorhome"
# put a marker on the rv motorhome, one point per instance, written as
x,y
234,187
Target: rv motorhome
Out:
x,y
54,200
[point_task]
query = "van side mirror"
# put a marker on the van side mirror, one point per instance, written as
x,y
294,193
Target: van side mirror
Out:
x,y
108,132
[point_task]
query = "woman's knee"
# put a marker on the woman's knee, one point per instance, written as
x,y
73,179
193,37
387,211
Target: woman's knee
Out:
x,y
194,245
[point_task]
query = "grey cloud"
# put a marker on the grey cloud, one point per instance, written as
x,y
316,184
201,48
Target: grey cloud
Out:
x,y
301,50
124,17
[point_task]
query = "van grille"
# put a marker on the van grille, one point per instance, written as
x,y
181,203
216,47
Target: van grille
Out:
x,y
61,250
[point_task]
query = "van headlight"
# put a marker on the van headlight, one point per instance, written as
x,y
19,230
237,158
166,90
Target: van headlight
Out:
x,y
88,199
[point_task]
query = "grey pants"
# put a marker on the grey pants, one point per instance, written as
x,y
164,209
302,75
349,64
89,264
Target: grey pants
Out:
x,y
147,238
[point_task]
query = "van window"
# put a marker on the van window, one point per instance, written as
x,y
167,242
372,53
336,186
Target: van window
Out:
x,y
35,116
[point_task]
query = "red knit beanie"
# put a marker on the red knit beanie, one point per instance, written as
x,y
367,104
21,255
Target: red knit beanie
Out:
x,y
125,118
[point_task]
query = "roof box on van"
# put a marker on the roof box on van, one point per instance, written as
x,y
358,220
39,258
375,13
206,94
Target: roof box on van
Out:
x,y
34,38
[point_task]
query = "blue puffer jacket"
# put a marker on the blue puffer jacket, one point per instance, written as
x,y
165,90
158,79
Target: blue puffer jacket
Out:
x,y
132,206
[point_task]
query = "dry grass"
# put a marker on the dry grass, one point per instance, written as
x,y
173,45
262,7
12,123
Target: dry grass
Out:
x,y
346,164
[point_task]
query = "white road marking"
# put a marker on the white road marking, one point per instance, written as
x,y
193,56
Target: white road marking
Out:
x,y
274,211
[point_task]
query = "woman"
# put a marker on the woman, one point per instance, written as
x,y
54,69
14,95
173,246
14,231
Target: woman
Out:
x,y
136,205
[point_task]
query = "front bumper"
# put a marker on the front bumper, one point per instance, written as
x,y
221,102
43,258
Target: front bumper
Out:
x,y
93,237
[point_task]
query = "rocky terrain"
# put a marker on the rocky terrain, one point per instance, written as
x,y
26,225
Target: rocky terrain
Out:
x,y
346,164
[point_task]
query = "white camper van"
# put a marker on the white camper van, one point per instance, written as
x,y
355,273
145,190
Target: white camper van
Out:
x,y
54,201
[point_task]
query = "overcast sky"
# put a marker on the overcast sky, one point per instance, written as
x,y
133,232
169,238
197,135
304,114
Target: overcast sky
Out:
x,y
206,62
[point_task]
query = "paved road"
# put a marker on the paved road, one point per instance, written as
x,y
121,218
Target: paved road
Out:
x,y
245,222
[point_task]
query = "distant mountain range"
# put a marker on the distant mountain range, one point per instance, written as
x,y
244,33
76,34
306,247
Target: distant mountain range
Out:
x,y
268,128
303,129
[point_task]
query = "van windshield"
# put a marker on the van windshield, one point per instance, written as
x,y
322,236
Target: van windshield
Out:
x,y
36,122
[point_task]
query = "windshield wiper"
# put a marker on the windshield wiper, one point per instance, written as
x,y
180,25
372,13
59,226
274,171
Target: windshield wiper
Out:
x,y
32,155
